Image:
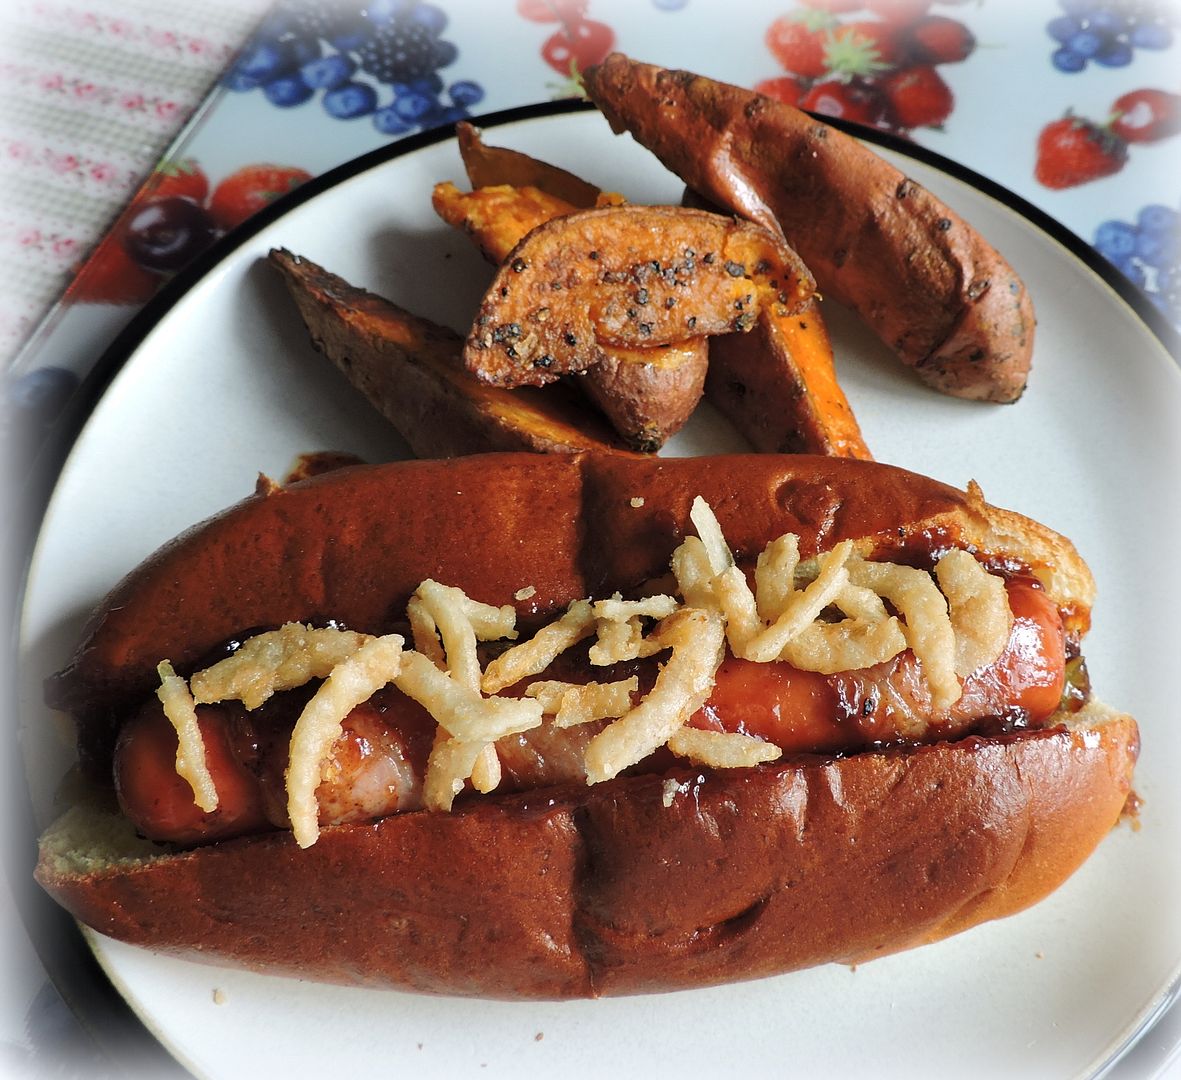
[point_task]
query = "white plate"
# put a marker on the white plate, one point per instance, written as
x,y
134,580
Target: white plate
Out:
x,y
225,385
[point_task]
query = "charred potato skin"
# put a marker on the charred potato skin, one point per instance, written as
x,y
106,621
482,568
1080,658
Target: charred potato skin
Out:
x,y
410,370
489,166
648,395
942,298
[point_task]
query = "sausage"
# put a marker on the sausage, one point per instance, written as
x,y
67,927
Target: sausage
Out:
x,y
159,802
887,704
376,766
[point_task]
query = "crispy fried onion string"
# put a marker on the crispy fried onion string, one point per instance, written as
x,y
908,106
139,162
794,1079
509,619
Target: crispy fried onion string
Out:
x,y
532,657
571,704
779,620
442,611
698,642
468,723
721,749
619,628
980,612
353,681
927,628
275,660
181,710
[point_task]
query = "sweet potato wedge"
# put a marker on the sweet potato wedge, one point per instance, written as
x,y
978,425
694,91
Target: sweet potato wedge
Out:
x,y
646,394
497,216
778,386
929,285
624,277
410,370
491,166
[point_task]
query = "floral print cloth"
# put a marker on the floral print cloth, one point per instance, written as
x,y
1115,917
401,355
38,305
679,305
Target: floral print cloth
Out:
x,y
93,93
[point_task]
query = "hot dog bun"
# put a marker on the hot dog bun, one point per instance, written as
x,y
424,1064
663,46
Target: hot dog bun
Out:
x,y
638,884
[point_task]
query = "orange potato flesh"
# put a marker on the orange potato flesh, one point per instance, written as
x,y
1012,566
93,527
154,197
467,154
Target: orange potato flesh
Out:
x,y
778,385
623,276
647,393
498,217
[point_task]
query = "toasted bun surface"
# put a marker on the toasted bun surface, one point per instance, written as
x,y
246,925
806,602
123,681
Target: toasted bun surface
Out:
x,y
641,884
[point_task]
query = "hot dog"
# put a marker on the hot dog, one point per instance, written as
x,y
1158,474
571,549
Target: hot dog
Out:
x,y
380,758
913,803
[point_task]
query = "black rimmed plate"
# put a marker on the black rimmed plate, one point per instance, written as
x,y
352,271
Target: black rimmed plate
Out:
x,y
216,382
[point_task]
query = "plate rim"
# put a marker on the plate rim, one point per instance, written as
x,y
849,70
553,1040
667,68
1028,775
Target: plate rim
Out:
x,y
117,1030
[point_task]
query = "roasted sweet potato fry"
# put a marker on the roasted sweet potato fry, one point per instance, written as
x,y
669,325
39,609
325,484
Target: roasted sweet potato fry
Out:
x,y
624,277
497,217
647,394
411,371
491,166
778,386
931,287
